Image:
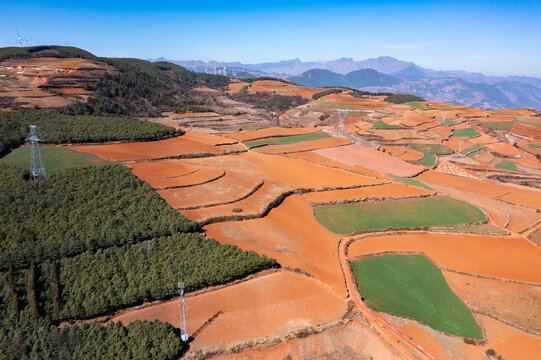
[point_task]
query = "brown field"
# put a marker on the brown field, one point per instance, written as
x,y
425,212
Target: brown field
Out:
x,y
372,159
523,197
253,206
512,258
324,143
187,144
203,175
228,188
162,169
517,304
352,341
256,308
310,247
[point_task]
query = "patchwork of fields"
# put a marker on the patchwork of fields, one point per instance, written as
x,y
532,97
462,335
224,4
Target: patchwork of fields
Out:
x,y
383,239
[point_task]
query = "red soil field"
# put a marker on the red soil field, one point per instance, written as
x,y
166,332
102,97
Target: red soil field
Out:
x,y
230,187
515,303
268,305
310,246
502,257
528,198
254,205
309,145
411,155
372,159
511,343
72,91
394,150
270,132
203,175
437,344
187,144
291,172
312,157
504,149
484,187
162,169
371,192
352,341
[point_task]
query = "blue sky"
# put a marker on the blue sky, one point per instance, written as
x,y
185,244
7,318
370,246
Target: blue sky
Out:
x,y
493,37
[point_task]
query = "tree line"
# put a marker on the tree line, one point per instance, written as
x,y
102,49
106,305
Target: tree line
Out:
x,y
57,128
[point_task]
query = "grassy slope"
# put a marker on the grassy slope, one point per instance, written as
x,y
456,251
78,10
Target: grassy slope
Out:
x,y
383,125
507,165
412,182
403,213
411,286
420,105
433,149
56,159
468,132
286,139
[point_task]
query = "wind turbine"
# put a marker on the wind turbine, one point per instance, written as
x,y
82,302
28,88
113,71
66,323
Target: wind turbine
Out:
x,y
19,39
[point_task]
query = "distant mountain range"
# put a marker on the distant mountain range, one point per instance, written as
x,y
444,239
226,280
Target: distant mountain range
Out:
x,y
388,74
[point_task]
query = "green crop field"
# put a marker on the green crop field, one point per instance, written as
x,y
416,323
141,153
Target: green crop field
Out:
x,y
412,182
432,149
419,105
534,146
333,105
56,159
427,160
383,125
468,132
402,213
457,107
286,139
473,151
498,112
450,122
411,286
497,125
507,165
529,124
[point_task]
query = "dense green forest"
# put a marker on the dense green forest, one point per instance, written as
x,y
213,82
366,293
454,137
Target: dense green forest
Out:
x,y
24,337
269,101
402,98
326,92
145,87
96,283
44,51
78,210
61,129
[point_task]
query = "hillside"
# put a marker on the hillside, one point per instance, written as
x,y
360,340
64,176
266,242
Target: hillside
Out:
x,y
77,82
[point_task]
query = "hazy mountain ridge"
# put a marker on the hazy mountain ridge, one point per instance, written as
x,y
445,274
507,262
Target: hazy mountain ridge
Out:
x,y
389,74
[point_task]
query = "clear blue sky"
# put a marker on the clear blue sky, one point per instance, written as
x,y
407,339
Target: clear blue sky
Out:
x,y
493,37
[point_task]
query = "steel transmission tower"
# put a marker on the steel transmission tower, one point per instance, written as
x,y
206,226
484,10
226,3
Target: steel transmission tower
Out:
x,y
342,114
37,168
183,333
